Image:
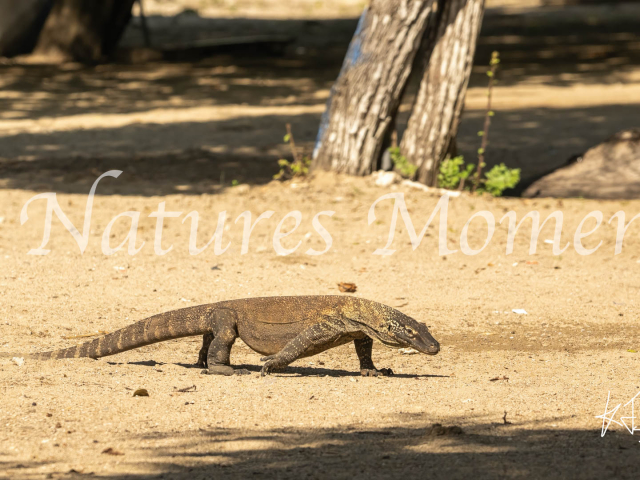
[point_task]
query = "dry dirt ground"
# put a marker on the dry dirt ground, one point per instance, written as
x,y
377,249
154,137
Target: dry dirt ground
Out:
x,y
555,365
524,388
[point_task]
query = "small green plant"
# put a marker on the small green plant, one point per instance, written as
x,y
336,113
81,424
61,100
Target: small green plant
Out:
x,y
454,173
234,183
484,133
499,178
401,163
292,169
299,167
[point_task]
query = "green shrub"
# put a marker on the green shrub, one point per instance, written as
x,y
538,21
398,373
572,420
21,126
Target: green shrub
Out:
x,y
499,178
401,163
296,168
299,167
453,173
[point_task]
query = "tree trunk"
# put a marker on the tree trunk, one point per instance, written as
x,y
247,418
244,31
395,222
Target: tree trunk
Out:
x,y
433,124
20,25
83,30
365,98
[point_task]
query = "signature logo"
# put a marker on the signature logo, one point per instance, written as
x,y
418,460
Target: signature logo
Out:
x,y
608,417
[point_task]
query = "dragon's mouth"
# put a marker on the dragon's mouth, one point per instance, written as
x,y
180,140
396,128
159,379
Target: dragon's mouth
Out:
x,y
390,343
393,343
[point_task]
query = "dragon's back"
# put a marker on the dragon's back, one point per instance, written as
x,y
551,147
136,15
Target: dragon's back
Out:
x,y
267,324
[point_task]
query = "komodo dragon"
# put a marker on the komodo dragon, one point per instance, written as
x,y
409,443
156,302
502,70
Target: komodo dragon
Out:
x,y
282,328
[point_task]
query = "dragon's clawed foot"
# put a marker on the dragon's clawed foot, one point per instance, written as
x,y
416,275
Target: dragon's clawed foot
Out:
x,y
271,365
374,372
225,370
267,368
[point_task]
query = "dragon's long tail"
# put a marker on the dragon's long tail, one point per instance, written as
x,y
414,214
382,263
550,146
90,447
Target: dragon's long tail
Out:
x,y
165,326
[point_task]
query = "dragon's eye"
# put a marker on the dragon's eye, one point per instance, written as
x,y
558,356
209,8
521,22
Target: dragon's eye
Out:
x,y
411,332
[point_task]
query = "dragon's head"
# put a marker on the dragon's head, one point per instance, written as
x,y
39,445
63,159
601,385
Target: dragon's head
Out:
x,y
410,333
395,329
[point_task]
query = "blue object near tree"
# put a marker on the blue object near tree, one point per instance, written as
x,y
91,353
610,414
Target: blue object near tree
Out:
x,y
352,58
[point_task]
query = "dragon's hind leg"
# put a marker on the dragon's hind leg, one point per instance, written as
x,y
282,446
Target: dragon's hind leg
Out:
x,y
224,334
207,338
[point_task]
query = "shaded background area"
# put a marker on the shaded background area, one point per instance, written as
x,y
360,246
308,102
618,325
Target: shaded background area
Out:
x,y
194,108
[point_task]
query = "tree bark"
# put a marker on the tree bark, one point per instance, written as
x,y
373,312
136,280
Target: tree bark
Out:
x,y
83,30
433,124
365,98
20,25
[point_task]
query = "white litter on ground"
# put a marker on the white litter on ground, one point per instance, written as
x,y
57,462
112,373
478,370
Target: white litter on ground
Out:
x,y
408,351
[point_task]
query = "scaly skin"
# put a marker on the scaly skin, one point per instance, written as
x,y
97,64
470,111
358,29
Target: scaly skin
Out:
x,y
282,328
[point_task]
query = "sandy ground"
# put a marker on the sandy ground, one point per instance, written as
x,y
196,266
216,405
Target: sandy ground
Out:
x,y
525,389
320,418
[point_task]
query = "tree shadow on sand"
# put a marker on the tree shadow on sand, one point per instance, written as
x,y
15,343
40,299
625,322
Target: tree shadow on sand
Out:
x,y
480,449
193,158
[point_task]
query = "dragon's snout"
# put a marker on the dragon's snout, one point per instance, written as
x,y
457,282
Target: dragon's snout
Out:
x,y
423,341
429,347
433,349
